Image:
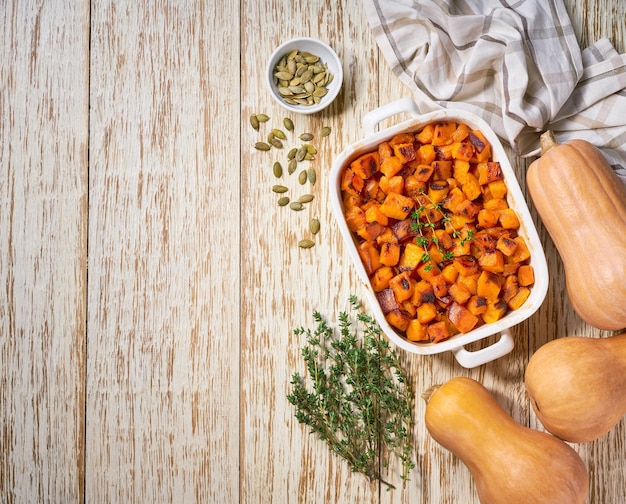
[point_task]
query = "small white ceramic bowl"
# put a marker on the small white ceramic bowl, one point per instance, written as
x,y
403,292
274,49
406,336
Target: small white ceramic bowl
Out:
x,y
327,56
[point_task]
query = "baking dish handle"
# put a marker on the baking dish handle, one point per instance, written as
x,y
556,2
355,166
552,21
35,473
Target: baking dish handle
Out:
x,y
401,106
501,347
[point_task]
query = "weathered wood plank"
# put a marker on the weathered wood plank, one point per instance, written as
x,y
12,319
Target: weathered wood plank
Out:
x,y
43,223
163,323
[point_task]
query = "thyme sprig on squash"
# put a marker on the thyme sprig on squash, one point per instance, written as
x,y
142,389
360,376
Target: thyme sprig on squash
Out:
x,y
360,401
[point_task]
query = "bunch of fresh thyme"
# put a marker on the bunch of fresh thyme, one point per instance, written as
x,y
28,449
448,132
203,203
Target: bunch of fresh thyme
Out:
x,y
361,401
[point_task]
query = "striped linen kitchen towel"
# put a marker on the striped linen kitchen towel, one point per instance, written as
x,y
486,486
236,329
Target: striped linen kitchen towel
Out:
x,y
517,65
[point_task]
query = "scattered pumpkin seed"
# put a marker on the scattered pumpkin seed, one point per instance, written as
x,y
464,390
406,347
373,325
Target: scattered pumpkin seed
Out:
x,y
277,169
306,137
325,131
288,123
279,189
291,167
306,198
301,153
314,226
306,244
279,134
311,175
311,149
262,146
276,143
302,178
292,153
283,201
262,118
296,205
309,157
254,122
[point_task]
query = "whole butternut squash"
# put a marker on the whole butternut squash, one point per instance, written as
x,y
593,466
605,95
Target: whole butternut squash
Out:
x,y
577,386
510,464
582,204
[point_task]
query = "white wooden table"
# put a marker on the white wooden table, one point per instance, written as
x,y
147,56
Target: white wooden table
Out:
x,y
149,285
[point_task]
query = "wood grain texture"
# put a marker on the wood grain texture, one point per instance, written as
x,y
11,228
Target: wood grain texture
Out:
x,y
43,217
151,285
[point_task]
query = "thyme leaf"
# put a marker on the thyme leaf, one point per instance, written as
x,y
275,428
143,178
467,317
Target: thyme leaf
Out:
x,y
357,398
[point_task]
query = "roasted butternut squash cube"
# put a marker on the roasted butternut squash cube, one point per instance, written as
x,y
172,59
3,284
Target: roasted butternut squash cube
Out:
x,y
368,252
450,273
440,285
405,152
460,133
389,253
380,278
487,218
466,265
402,139
519,299
497,189
460,170
398,319
454,198
468,209
423,293
482,148
427,269
444,240
442,170
396,184
413,186
495,311
506,245
384,151
521,253
366,165
426,154
496,205
526,275
426,312
491,261
355,218
404,229
476,305
489,172
387,236
438,190
387,301
373,214
397,206
438,332
423,172
471,187
409,308
461,317
416,331
390,166
459,292
488,285
370,230
443,133
510,288
471,282
351,182
425,136
462,150
508,219
402,286
411,257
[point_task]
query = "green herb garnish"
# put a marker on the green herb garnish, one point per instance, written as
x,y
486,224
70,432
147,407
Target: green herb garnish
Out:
x,y
361,401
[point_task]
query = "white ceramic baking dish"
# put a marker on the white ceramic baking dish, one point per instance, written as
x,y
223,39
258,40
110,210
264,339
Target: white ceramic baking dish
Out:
x,y
456,344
